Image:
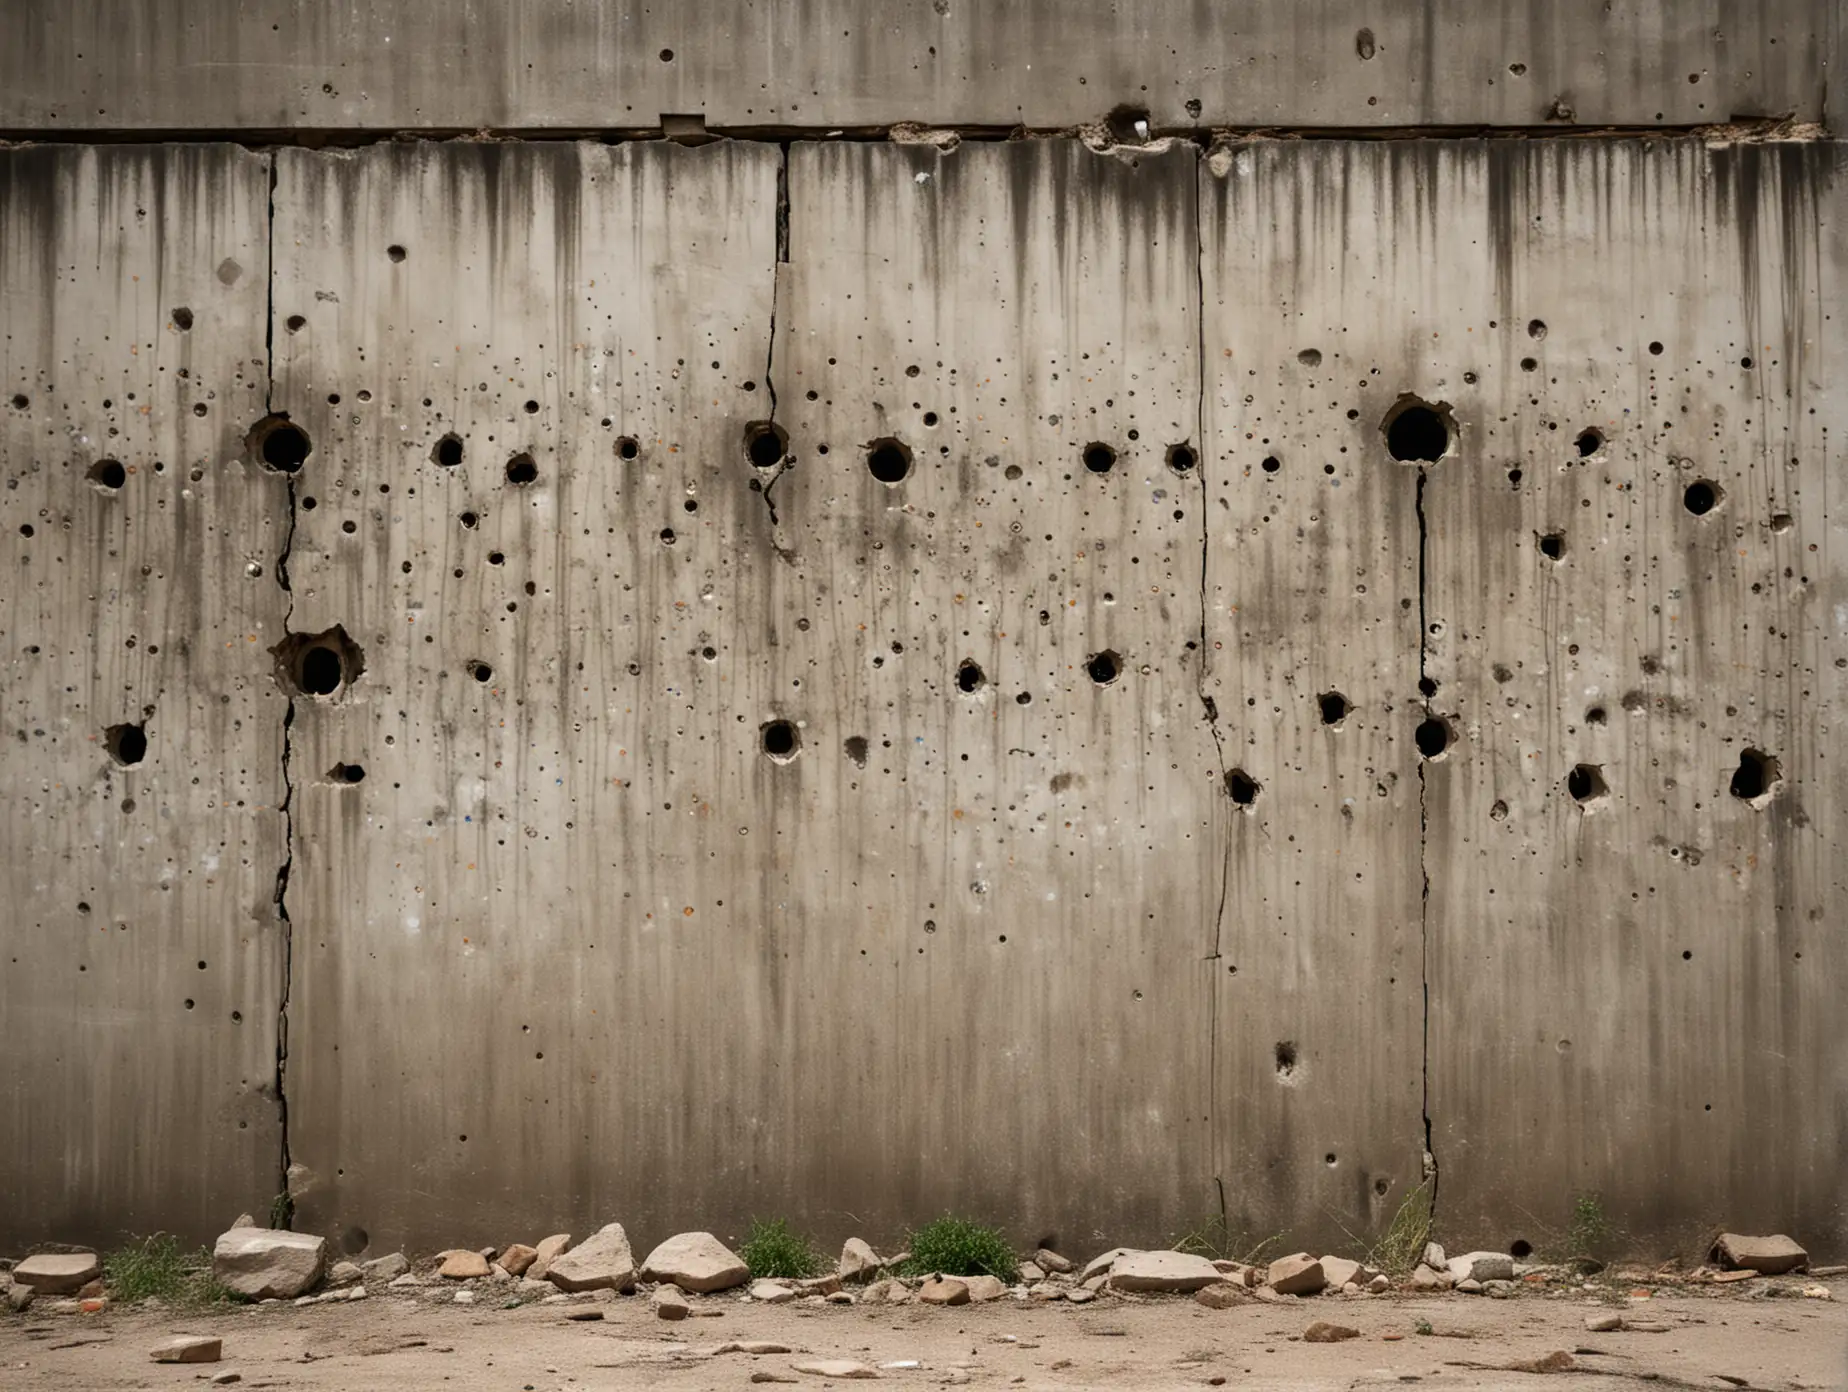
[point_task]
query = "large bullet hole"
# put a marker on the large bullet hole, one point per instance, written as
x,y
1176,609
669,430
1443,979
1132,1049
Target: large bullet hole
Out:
x,y
1128,125
1433,737
1536,329
1756,776
1520,1249
127,744
480,671
765,443
278,444
970,678
627,447
1103,667
1418,432
295,323
1181,458
346,773
1588,443
1286,1058
1243,787
781,742
1553,546
1702,497
856,749
448,451
521,469
888,460
1099,458
108,474
182,318
1271,464
1586,783
318,664
1334,707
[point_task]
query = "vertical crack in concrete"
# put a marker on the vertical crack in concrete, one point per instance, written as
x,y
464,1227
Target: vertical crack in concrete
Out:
x,y
1424,862
287,867
776,292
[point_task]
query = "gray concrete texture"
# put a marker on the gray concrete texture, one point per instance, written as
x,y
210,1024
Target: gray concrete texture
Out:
x,y
464,65
692,831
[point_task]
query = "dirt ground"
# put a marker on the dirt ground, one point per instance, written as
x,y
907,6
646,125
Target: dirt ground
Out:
x,y
1156,1342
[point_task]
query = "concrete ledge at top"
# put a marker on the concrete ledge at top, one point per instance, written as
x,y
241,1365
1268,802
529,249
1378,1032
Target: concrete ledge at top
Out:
x,y
123,65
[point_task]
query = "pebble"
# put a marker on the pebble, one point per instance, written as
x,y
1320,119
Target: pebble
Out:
x,y
188,1348
584,1313
836,1368
1603,1324
771,1293
670,1304
1322,1332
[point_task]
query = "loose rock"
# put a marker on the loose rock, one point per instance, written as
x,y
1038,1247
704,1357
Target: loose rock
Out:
x,y
1603,1324
517,1258
696,1262
984,1288
1426,1278
18,1298
1468,1287
1050,1260
602,1260
1482,1266
859,1262
1032,1272
1297,1274
584,1313
1163,1271
670,1304
771,1293
836,1368
187,1348
1338,1271
462,1265
386,1269
1101,1264
820,1285
1322,1332
58,1273
257,1263
1221,1295
549,1250
944,1290
1768,1256
1081,1296
345,1273
1434,1256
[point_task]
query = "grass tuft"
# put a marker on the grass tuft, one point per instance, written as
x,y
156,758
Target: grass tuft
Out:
x,y
159,1267
958,1247
1216,1240
1401,1247
774,1252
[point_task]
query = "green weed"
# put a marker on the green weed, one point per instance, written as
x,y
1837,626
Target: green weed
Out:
x,y
958,1247
1401,1246
159,1267
774,1252
1216,1240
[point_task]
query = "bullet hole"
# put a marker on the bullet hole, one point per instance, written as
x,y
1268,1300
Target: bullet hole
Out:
x,y
1745,362
497,558
448,451
1530,364
855,747
1310,357
1702,497
781,741
108,475
395,252
1181,458
1596,716
21,401
318,664
889,460
1427,687
470,520
1286,1058
1514,477
1418,431
1782,522
1364,45
189,1004
521,469
1128,125
346,773
278,444
1025,698
1536,329
127,744
295,323
480,670
970,678
1330,1159
1498,811
1103,667
766,444
1271,464
930,418
1243,788
182,318
1520,1249
667,55
1433,737
1099,458
1553,546
532,408
354,1241
1655,349
627,447
1756,777
1589,443
1586,783
1334,707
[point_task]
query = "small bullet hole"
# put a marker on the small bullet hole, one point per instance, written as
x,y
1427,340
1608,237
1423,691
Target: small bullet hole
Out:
x,y
1756,775
970,678
349,526
1418,432
1181,458
1536,328
1310,357
279,444
480,671
1701,497
532,408
1330,1159
1553,546
627,448
1782,522
1498,811
295,323
127,744
1433,737
1271,464
189,1005
448,451
1025,698
781,742
1012,472
667,536
765,444
1687,956
470,520
1745,362
667,55
521,469
21,401
1520,1249
889,460
1586,783
1589,443
1514,477
1099,458
1427,687
930,418
1529,364
347,773
496,558
1380,1186
182,319
395,252
1334,707
1243,787
1103,667
1596,716
1286,1058
25,529
108,474
711,654
318,664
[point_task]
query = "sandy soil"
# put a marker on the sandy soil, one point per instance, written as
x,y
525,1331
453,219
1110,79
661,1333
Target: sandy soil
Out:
x,y
1154,1342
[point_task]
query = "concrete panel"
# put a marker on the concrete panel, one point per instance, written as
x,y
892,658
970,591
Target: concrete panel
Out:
x,y
1312,621
194,65
140,955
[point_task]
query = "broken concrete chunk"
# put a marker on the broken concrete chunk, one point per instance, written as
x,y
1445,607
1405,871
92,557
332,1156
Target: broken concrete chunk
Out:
x,y
1052,1262
772,1292
983,1288
1046,1290
820,1285
670,1304
462,1265
603,1260
859,1262
1081,1296
1482,1266
1221,1295
944,1290
386,1269
18,1297
517,1258
1425,1278
1100,1264
55,1273
1338,1271
187,1348
1379,1285
345,1273
1768,1256
1434,1256
1322,1332
549,1250
1603,1324
1032,1273
836,1368
1162,1271
1468,1287
263,1262
1296,1274
696,1262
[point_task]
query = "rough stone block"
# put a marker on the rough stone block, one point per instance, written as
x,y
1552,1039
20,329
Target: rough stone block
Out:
x,y
58,1273
1296,1274
1163,1271
696,1262
187,1348
603,1260
260,1263
1769,1256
